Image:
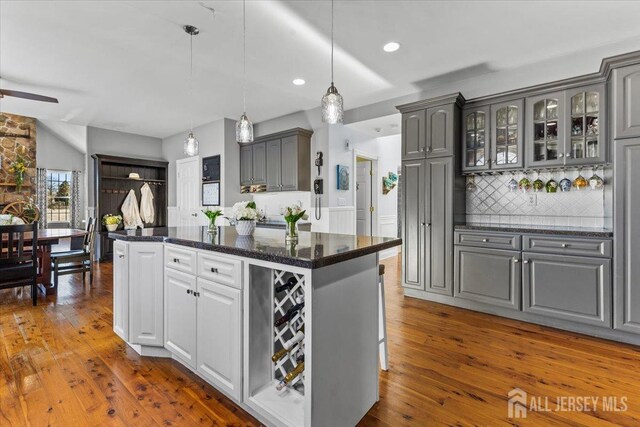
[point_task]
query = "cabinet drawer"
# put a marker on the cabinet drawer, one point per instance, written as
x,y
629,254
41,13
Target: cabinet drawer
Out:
x,y
568,245
180,259
488,240
220,269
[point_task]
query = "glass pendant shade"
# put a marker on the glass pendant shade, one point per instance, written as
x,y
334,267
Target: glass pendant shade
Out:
x,y
191,145
244,130
332,108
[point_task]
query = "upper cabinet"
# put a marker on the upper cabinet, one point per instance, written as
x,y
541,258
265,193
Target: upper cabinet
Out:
x,y
277,162
626,99
566,128
493,136
430,128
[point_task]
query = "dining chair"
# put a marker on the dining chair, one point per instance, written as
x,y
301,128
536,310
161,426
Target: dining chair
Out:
x,y
76,261
18,261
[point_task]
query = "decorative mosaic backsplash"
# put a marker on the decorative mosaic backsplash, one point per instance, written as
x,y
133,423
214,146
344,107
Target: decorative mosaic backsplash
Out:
x,y
493,203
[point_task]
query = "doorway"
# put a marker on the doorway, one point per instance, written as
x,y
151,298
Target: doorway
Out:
x,y
188,191
365,195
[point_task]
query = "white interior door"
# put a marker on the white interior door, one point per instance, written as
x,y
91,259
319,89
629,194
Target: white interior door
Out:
x,y
188,191
364,217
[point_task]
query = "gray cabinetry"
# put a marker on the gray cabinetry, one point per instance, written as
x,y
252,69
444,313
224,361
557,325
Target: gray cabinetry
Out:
x,y
507,128
568,287
627,234
440,139
413,193
274,171
476,135
413,135
585,141
490,276
278,162
626,101
545,130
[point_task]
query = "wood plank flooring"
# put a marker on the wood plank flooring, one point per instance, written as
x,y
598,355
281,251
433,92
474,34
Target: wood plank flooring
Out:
x,y
61,364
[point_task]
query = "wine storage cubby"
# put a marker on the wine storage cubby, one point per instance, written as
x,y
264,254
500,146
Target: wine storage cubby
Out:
x,y
287,334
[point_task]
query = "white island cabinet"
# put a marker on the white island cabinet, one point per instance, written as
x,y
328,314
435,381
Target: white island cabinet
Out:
x,y
229,303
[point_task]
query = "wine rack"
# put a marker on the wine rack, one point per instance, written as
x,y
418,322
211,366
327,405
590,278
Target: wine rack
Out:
x,y
283,333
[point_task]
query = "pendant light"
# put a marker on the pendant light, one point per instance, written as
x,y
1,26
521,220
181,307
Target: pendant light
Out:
x,y
244,127
191,143
332,108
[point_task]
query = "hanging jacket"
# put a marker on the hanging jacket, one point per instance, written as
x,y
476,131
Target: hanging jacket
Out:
x,y
130,212
147,212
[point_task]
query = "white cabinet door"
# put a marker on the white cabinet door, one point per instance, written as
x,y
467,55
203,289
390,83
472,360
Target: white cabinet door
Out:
x,y
120,290
146,294
219,336
180,315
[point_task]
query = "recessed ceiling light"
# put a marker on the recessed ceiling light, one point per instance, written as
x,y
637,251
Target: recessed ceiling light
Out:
x,y
298,82
391,47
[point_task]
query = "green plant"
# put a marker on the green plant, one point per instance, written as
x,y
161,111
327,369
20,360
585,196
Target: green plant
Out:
x,y
212,215
109,219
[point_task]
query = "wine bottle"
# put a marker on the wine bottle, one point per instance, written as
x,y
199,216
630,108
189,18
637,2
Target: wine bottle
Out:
x,y
288,285
291,375
288,346
289,314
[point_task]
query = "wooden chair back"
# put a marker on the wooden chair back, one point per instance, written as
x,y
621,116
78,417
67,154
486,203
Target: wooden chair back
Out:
x,y
14,249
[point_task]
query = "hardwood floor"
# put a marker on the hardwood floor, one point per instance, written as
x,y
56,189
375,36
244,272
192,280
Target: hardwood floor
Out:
x,y
62,365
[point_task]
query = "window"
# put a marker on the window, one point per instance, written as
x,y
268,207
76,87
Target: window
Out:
x,y
58,196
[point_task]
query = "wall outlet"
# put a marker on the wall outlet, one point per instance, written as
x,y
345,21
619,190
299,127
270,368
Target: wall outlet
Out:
x,y
532,199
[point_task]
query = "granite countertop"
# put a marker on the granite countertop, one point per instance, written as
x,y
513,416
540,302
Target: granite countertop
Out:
x,y
564,230
314,250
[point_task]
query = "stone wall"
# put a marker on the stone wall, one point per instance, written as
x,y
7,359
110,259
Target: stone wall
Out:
x,y
10,148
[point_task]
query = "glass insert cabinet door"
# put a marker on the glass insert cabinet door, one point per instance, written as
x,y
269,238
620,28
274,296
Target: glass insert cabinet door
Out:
x,y
584,140
475,124
545,135
507,134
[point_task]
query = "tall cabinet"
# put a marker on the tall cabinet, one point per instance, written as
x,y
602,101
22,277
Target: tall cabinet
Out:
x,y
433,192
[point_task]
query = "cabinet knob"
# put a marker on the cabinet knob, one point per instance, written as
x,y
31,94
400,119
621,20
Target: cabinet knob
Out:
x,y
568,155
565,245
422,149
189,291
176,260
428,149
516,260
485,240
214,270
560,155
526,261
120,256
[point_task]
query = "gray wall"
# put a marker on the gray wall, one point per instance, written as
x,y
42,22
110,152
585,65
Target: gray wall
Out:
x,y
103,141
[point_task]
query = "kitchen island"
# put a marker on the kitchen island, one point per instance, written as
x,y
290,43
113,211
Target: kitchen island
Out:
x,y
248,313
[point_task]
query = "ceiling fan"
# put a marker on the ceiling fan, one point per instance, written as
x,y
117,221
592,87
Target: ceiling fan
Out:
x,y
26,95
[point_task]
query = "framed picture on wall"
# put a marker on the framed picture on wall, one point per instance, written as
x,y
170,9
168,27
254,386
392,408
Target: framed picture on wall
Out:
x,y
211,194
343,177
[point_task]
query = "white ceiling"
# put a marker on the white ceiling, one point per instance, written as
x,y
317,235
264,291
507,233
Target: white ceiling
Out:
x,y
123,65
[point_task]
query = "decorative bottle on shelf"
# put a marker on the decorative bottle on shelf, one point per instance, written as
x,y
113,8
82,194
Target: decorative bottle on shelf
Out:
x,y
288,285
291,375
289,314
288,346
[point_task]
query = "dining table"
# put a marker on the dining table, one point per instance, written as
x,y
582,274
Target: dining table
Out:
x,y
46,239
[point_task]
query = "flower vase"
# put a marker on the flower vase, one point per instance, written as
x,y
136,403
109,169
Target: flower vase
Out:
x,y
245,228
111,227
213,229
19,181
291,231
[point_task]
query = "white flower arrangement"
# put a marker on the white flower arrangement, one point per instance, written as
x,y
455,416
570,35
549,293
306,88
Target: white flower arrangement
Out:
x,y
244,211
294,213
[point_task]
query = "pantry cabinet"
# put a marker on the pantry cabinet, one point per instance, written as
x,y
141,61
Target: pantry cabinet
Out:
x,y
626,101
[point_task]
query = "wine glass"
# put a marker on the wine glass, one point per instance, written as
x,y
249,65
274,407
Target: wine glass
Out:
x,y
580,182
538,184
512,184
595,182
525,184
552,185
565,183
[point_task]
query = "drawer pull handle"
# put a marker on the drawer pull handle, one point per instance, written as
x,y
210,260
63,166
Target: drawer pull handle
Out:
x,y
214,270
565,245
485,240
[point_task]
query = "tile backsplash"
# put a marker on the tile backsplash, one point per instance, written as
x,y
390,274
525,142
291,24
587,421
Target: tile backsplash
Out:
x,y
492,202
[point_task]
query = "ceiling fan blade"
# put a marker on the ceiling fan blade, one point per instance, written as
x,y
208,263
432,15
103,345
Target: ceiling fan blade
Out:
x,y
27,95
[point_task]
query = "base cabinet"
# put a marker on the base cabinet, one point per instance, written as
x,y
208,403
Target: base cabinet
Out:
x,y
146,324
121,290
180,315
490,276
219,335
568,287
